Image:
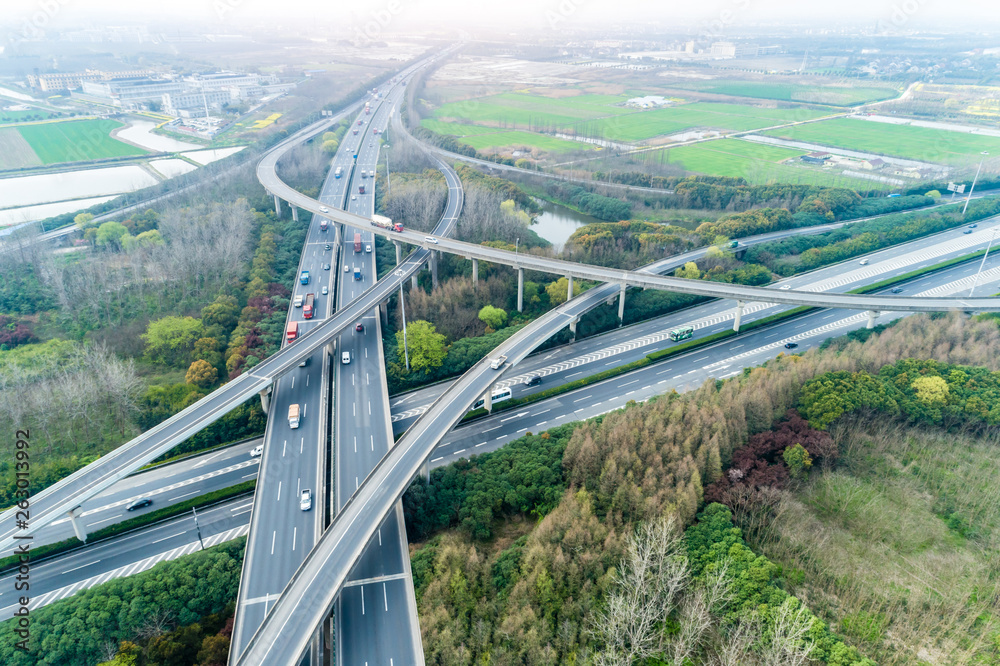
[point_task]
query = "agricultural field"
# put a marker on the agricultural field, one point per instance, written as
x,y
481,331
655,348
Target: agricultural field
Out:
x,y
602,116
758,163
75,141
840,95
917,143
19,115
516,139
15,151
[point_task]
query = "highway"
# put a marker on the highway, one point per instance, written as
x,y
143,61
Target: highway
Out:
x,y
376,616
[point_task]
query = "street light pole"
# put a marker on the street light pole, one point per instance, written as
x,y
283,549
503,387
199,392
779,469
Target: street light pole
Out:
x,y
517,241
198,527
982,263
981,159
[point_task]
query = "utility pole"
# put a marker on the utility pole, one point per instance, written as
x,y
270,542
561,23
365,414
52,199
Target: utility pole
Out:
x,y
983,262
197,527
402,309
968,198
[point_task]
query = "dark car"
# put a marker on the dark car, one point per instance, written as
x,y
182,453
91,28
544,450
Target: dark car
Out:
x,y
897,290
533,381
967,232
140,504
973,226
360,328
326,247
791,345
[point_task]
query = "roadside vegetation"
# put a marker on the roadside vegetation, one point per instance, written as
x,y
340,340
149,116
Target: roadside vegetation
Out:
x,y
503,573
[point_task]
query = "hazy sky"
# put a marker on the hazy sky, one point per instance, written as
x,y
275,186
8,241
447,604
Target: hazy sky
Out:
x,y
710,16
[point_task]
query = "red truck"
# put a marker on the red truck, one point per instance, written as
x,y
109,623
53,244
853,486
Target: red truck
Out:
x,y
323,225
357,241
307,307
292,331
361,189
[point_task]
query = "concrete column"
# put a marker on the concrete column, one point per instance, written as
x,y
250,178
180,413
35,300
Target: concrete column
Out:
x,y
872,316
569,289
265,400
739,315
78,527
572,327
277,205
295,213
413,281
425,471
621,305
488,398
383,311
475,272
399,252
520,290
434,270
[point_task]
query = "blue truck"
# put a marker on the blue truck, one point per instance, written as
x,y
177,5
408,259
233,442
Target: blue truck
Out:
x,y
304,277
357,273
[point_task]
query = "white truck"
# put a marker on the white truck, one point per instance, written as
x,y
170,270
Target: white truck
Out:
x,y
298,301
293,415
498,362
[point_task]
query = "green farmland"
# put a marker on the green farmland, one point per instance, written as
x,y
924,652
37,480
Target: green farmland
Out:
x,y
75,141
917,143
758,163
602,116
790,92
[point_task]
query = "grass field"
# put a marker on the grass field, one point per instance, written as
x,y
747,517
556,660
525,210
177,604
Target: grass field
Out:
x,y
598,116
76,141
758,163
790,92
898,546
917,143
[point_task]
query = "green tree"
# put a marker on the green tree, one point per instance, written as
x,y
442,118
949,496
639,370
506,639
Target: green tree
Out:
x,y
493,317
223,311
110,234
558,291
83,220
331,146
689,270
201,373
149,238
214,651
170,339
798,460
426,346
128,655
932,391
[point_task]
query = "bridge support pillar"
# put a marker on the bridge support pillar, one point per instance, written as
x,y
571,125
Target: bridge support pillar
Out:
x,y
413,281
739,315
621,305
434,270
277,205
399,252
475,273
572,328
78,527
265,400
425,471
488,399
295,212
569,288
872,316
383,310
520,290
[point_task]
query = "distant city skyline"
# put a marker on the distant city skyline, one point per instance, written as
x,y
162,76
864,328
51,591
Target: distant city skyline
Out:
x,y
715,17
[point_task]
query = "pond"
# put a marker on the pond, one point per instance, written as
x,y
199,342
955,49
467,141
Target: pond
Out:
x,y
557,223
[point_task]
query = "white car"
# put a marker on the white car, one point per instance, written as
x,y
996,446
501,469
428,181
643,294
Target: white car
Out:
x,y
257,451
306,500
354,197
785,286
347,269
345,358
368,249
325,290
324,209
430,239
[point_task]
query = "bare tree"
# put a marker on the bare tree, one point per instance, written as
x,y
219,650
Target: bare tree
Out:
x,y
789,645
648,585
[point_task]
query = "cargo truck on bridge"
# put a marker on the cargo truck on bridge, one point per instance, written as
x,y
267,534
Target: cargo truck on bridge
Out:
x,y
357,241
293,415
340,170
304,277
382,222
307,306
361,189
324,225
291,331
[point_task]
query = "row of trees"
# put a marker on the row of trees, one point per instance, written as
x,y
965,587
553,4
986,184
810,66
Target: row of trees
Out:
x,y
109,619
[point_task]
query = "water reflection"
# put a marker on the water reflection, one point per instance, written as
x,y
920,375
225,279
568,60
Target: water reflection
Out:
x,y
557,223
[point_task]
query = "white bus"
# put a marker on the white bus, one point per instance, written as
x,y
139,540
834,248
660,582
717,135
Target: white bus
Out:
x,y
499,396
